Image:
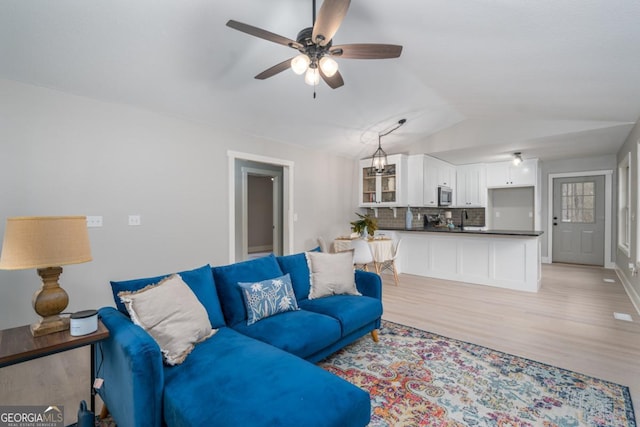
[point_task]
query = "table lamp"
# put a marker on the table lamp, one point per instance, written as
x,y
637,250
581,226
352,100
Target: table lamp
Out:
x,y
46,243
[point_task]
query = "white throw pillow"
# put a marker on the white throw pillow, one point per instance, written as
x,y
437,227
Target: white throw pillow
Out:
x,y
171,313
331,274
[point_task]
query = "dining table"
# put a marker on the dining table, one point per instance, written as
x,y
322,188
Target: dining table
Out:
x,y
381,247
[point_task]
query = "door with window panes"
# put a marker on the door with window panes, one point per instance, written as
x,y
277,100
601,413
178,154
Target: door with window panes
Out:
x,y
578,220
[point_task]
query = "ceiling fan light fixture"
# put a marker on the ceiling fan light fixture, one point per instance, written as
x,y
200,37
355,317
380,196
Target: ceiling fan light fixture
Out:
x,y
300,64
328,66
312,76
517,158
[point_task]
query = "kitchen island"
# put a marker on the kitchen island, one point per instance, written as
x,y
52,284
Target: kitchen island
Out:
x,y
502,258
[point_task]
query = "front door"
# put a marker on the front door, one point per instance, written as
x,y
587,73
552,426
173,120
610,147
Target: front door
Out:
x,y
578,220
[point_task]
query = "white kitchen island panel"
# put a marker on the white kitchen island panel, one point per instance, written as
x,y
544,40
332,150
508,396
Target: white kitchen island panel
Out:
x,y
504,261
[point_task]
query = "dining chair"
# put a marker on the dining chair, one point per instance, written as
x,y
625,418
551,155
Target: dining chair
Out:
x,y
390,264
323,245
362,255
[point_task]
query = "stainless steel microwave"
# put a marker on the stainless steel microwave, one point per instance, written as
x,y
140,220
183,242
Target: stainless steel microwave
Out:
x,y
445,196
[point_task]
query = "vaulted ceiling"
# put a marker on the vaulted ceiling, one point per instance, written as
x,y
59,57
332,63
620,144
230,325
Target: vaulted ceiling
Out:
x,y
477,79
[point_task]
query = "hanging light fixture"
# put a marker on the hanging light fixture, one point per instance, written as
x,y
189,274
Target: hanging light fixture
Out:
x,y
379,158
517,158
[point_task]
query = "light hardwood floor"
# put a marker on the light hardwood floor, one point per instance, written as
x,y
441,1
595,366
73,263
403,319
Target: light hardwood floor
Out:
x,y
569,323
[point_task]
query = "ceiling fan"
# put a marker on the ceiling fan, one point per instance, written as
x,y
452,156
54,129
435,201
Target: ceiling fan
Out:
x,y
316,48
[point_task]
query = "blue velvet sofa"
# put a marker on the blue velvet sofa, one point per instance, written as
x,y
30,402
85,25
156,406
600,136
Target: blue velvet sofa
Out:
x,y
258,375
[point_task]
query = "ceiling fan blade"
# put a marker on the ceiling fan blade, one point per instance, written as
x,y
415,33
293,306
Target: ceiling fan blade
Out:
x,y
263,34
366,51
334,81
330,16
278,68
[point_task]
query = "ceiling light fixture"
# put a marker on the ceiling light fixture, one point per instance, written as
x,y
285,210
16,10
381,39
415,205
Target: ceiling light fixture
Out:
x,y
379,158
312,76
517,158
303,63
300,64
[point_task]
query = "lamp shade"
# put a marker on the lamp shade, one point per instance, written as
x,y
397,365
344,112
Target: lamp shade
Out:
x,y
312,76
300,64
45,241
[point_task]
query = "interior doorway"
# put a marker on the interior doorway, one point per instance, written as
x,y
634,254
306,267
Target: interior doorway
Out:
x,y
260,206
262,211
579,220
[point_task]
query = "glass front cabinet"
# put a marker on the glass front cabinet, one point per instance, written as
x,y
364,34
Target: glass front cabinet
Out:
x,y
386,188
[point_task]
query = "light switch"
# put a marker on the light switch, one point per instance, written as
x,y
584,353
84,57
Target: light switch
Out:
x,y
497,214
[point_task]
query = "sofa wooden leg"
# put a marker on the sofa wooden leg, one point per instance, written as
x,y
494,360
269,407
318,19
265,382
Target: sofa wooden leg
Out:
x,y
104,412
374,335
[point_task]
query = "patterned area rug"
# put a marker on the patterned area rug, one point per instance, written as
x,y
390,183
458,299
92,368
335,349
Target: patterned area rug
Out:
x,y
416,378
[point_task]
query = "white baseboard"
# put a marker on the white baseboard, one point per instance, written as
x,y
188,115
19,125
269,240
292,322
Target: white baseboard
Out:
x,y
629,289
263,248
545,260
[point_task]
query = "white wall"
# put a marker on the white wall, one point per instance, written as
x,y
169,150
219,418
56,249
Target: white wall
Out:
x,y
632,283
512,208
62,155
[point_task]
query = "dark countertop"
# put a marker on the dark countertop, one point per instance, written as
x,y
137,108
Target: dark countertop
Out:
x,y
457,230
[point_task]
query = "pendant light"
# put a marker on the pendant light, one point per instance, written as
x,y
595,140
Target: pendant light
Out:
x,y
379,158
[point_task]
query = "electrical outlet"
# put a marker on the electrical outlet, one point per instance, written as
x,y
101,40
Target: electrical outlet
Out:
x,y
135,220
94,221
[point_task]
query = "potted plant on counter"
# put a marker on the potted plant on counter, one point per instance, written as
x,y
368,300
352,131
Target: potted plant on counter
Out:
x,y
365,225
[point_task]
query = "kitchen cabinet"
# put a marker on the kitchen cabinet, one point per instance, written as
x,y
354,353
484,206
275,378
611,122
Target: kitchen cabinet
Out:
x,y
425,175
506,174
504,261
446,174
415,180
387,188
471,186
437,173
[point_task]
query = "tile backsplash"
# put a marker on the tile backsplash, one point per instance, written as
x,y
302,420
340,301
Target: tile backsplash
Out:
x,y
387,220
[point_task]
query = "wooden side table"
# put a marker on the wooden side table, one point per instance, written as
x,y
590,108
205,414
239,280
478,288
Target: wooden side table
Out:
x,y
18,345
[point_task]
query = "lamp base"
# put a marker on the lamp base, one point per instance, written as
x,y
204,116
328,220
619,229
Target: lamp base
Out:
x,y
49,325
49,301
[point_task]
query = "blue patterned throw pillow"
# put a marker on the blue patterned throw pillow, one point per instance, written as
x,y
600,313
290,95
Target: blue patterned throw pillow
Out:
x,y
269,297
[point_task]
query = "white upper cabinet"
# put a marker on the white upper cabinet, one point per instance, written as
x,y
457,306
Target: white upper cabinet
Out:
x,y
446,174
471,188
385,189
415,180
506,174
426,174
431,179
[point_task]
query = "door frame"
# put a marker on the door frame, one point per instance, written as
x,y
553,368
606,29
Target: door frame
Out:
x,y
287,198
276,207
608,197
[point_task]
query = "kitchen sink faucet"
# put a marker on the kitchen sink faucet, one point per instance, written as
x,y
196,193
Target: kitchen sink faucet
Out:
x,y
463,216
